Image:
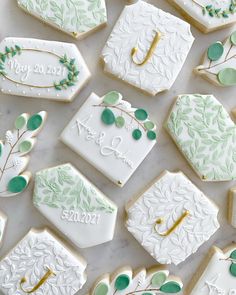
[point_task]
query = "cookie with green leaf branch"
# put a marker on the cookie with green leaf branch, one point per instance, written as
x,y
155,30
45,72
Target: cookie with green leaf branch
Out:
x,y
142,282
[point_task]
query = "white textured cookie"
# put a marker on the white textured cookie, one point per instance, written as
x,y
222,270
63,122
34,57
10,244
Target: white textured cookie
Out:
x,y
74,17
208,15
147,47
205,134
3,222
172,218
217,274
219,64
13,153
41,264
125,281
39,68
112,135
74,205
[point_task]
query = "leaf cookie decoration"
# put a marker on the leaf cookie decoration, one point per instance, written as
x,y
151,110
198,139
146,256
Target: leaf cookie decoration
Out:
x,y
143,282
13,153
205,134
219,63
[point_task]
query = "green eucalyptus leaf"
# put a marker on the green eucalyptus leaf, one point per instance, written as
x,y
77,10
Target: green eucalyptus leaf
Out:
x,y
1,148
227,77
17,184
108,117
215,51
101,289
233,269
34,122
137,134
233,38
158,279
20,122
25,146
120,122
149,125
151,135
112,98
122,282
141,114
170,287
233,255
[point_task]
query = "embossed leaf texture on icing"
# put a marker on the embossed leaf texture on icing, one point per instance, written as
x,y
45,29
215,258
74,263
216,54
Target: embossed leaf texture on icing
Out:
x,y
205,134
13,153
112,135
218,274
3,221
136,30
74,205
167,199
126,282
75,17
30,258
208,15
219,63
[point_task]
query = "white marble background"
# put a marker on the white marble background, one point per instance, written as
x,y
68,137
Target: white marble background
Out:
x,y
123,250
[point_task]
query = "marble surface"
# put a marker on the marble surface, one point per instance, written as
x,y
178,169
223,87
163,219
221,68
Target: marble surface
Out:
x,y
123,250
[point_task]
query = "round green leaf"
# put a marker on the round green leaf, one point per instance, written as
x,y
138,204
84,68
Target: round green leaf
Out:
x,y
34,122
233,269
137,134
17,184
120,122
215,51
141,114
111,98
108,117
233,255
227,77
233,38
170,287
158,279
1,148
20,122
25,146
101,289
151,135
122,282
149,125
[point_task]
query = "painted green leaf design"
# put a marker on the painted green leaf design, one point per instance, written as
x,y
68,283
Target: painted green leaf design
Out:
x,y
120,122
233,255
170,287
34,122
233,38
101,289
1,148
108,117
141,114
149,125
137,134
26,146
17,184
227,77
158,279
122,282
233,269
215,51
20,122
112,98
151,135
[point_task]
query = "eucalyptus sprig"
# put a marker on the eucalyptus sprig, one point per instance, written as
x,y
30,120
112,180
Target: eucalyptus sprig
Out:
x,y
219,12
9,52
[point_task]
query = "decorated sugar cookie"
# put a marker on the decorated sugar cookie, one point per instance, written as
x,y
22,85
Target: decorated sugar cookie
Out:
x,y
172,218
208,15
13,153
232,207
41,264
217,274
38,68
205,134
147,47
3,222
125,281
77,18
75,206
219,65
112,135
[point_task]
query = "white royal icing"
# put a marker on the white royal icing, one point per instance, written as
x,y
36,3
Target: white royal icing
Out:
x,y
168,198
33,256
3,222
38,68
75,17
137,27
216,278
112,150
74,205
204,12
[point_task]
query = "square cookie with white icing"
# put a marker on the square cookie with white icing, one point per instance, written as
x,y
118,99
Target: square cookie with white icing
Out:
x,y
76,18
172,218
74,205
147,47
42,69
41,264
112,135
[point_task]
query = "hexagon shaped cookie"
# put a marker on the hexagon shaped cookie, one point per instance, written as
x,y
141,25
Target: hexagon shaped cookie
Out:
x,y
3,222
207,15
76,18
147,47
172,218
75,206
38,68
